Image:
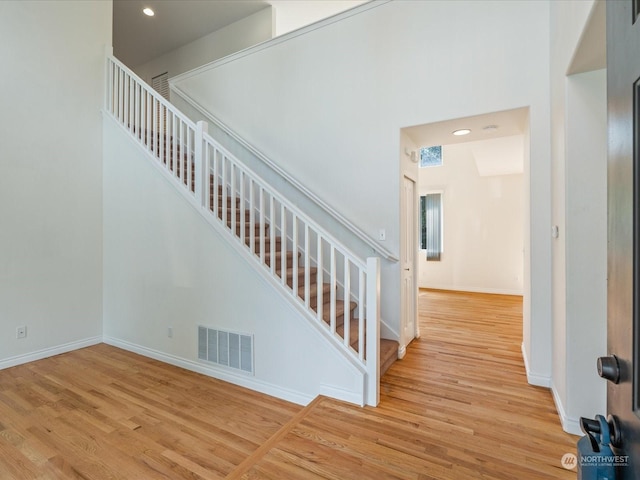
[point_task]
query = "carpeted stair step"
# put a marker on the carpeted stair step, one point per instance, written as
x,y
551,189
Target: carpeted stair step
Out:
x,y
221,201
247,214
267,258
267,244
313,293
388,354
313,276
340,310
388,348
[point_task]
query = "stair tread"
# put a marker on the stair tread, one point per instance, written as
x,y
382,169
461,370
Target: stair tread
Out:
x,y
388,354
340,309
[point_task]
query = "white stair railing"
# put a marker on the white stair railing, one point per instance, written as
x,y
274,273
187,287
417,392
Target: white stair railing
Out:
x,y
334,287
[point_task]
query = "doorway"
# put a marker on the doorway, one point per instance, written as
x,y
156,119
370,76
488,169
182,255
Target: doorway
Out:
x,y
484,201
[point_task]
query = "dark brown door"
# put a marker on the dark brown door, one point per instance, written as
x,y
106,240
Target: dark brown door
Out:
x,y
623,319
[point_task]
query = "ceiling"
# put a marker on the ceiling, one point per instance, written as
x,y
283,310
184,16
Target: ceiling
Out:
x,y
498,151
138,38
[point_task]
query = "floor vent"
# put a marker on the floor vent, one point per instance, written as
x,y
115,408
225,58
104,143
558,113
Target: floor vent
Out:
x,y
233,350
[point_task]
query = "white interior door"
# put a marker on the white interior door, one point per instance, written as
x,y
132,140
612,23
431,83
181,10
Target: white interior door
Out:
x,y
409,294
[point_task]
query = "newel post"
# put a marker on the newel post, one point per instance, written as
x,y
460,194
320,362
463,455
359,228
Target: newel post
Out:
x,y
200,164
373,331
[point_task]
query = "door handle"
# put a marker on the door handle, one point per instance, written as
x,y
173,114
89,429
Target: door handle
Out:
x,y
609,368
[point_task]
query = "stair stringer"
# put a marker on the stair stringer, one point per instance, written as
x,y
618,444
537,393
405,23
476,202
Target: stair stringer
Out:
x,y
346,384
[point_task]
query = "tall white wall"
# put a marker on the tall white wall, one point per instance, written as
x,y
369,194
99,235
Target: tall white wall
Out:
x,y
242,34
578,126
52,56
290,15
483,226
327,104
165,266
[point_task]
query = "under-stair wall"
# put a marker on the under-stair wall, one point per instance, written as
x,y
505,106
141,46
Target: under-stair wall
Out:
x,y
165,268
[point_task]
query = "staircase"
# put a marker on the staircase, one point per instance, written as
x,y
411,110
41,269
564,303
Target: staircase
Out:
x,y
388,348
329,284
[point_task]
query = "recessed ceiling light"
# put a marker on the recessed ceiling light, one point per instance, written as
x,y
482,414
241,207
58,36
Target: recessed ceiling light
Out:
x,y
463,131
148,12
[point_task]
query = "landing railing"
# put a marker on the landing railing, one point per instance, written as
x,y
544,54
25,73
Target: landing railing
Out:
x,y
332,286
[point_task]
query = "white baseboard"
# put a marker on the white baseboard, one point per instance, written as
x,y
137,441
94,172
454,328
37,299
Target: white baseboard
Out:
x,y
220,373
569,425
341,394
48,352
456,288
533,378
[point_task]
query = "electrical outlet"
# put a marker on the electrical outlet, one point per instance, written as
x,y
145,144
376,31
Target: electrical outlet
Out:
x,y
382,234
170,332
21,332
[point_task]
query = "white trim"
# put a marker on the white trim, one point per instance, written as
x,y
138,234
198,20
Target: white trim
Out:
x,y
402,351
387,332
342,394
220,373
569,425
49,352
534,378
454,288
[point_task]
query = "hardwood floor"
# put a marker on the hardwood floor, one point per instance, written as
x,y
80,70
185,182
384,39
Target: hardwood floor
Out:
x,y
104,413
456,407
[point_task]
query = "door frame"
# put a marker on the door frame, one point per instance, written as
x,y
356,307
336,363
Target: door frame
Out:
x,y
405,230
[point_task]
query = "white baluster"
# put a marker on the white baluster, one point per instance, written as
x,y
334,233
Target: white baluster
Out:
x,y
361,312
373,331
201,167
283,244
346,302
261,224
243,210
307,267
332,290
294,266
272,235
252,217
320,278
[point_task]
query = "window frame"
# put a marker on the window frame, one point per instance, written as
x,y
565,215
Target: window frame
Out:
x,y
420,165
420,223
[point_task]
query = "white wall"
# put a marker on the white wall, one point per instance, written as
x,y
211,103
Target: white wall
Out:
x,y
239,35
483,226
579,210
586,241
327,105
290,15
51,182
165,266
